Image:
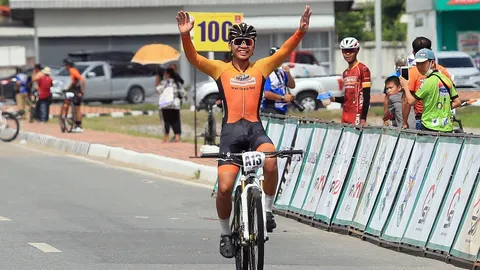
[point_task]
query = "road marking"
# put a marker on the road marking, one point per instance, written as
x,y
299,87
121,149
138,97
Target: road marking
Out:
x,y
45,247
144,217
4,219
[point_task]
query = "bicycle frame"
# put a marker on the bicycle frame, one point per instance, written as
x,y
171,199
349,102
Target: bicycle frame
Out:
x,y
246,186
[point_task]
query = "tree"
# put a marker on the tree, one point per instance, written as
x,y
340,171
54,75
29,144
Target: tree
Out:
x,y
4,3
361,24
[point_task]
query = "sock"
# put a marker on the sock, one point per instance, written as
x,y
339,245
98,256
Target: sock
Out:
x,y
269,203
225,225
77,123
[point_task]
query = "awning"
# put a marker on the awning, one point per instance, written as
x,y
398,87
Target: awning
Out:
x,y
280,23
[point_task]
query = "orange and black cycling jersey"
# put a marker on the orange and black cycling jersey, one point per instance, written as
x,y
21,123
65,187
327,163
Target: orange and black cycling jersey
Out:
x,y
76,77
241,91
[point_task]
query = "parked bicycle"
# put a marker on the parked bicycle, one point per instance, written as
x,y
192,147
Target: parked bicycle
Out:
x,y
32,104
9,125
458,121
67,120
248,226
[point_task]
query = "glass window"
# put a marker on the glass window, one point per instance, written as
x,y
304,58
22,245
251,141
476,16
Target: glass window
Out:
x,y
456,62
98,71
314,40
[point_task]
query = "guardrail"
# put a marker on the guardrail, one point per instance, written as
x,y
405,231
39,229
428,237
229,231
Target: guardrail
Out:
x,y
405,188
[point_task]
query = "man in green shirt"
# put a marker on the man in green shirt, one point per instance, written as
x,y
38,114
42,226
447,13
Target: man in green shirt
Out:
x,y
437,93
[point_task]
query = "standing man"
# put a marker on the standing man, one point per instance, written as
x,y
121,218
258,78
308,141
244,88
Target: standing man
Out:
x,y
416,79
437,93
77,86
276,98
357,83
44,95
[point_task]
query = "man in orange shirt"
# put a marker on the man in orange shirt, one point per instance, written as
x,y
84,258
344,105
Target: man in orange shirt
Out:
x,y
415,82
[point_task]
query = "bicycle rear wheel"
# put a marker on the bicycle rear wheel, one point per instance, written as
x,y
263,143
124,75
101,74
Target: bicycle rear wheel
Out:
x,y
66,123
241,256
256,229
9,127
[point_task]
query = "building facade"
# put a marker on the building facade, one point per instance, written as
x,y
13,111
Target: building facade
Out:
x,y
452,25
71,25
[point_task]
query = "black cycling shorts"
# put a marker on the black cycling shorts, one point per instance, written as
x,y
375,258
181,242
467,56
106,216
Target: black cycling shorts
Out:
x,y
77,100
242,136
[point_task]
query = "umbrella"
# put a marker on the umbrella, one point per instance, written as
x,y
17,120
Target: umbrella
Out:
x,y
155,54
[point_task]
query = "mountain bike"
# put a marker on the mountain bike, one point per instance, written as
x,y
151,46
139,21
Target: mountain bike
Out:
x,y
67,122
249,232
9,125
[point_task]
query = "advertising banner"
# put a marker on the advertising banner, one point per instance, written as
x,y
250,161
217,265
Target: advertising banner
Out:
x,y
304,133
455,202
419,160
390,185
356,179
377,173
338,175
286,141
305,178
322,168
467,241
274,128
432,190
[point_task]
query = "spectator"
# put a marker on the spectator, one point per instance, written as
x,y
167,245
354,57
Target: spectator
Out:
x,y
171,93
392,104
276,98
21,88
177,76
437,93
416,80
44,95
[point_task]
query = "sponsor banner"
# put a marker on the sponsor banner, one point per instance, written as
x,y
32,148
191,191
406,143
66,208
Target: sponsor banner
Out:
x,y
334,132
315,146
419,160
375,178
467,241
391,184
455,202
338,175
302,141
286,141
356,179
274,129
432,191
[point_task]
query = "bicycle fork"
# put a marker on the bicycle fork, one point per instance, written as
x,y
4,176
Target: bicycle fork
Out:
x,y
245,202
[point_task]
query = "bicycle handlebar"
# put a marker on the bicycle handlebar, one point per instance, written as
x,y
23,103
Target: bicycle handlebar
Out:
x,y
281,153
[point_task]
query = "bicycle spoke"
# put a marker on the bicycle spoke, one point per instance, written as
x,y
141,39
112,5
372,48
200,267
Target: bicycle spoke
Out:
x,y
9,127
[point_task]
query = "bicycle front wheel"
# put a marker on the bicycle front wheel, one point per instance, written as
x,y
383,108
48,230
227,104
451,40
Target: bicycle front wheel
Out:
x,y
9,127
242,252
256,228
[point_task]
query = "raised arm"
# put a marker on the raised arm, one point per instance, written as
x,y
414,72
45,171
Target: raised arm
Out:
x,y
269,64
207,66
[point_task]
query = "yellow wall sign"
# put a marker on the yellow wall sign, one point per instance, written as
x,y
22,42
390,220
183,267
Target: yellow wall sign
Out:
x,y
210,32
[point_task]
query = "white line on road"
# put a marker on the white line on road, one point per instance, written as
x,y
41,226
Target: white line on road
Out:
x,y
44,247
4,219
141,217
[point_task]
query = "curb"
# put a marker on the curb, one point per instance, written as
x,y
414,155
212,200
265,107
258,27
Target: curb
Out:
x,y
165,164
113,114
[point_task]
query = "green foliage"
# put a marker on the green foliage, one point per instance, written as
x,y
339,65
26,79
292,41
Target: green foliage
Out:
x,y
361,23
4,3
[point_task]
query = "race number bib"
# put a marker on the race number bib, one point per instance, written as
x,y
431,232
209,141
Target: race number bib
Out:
x,y
253,160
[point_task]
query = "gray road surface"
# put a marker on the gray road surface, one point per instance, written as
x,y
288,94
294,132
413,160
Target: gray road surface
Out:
x,y
61,212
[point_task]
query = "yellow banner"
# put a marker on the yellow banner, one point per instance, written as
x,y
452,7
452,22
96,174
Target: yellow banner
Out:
x,y
210,33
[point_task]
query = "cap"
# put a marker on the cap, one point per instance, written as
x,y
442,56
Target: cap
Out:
x,y
46,71
424,55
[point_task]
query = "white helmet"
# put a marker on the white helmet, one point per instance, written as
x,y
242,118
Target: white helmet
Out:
x,y
349,43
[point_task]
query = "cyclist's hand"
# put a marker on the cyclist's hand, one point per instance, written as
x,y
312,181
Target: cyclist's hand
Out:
x,y
288,97
305,19
185,23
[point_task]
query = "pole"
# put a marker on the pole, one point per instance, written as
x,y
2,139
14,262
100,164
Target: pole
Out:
x,y
195,108
36,46
378,41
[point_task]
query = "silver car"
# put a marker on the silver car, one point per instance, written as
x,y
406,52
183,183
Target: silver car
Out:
x,y
108,82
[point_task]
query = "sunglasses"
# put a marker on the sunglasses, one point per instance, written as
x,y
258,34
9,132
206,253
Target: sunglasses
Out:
x,y
243,41
348,51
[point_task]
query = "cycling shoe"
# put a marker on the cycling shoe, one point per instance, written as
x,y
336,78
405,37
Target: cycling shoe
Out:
x,y
227,249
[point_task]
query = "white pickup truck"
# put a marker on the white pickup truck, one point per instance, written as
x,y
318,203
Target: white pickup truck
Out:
x,y
306,90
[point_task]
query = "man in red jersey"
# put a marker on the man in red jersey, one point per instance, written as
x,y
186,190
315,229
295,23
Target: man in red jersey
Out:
x,y
357,83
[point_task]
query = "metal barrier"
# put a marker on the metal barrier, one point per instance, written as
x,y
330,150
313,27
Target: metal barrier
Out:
x,y
410,189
